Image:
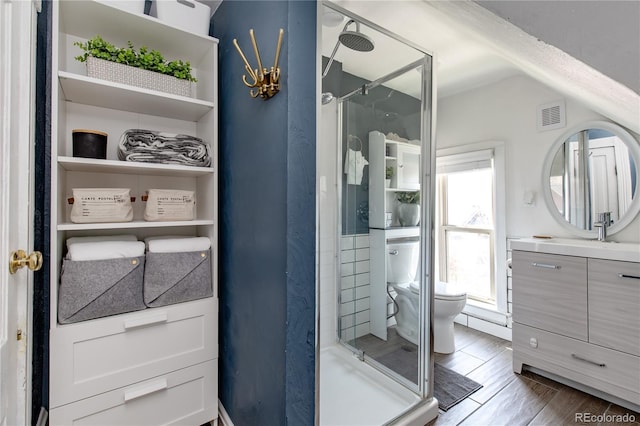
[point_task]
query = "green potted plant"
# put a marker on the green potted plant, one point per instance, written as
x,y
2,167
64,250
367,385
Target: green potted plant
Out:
x,y
408,208
136,67
389,172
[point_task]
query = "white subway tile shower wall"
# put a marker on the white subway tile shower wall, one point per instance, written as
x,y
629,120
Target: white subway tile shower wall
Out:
x,y
355,286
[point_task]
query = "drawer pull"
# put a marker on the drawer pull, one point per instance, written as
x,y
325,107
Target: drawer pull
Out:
x,y
579,358
143,321
635,277
545,265
145,390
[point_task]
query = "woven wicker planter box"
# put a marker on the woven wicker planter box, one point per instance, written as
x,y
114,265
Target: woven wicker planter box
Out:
x,y
124,74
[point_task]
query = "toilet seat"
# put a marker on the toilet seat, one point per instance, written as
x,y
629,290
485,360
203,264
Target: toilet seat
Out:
x,y
446,291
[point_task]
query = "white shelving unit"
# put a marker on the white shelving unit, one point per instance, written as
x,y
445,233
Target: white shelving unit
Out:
x,y
157,365
92,91
404,159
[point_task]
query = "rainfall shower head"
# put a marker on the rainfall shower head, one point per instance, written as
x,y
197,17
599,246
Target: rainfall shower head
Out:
x,y
354,40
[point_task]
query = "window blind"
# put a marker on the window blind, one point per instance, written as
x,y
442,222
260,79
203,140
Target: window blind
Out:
x,y
465,161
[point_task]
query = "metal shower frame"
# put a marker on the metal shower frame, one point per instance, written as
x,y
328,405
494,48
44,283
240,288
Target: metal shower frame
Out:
x,y
427,136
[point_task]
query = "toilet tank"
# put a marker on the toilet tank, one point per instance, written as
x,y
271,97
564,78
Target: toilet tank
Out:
x,y
402,261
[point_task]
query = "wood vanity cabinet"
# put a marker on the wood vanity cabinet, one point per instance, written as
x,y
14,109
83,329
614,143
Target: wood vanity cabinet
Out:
x,y
156,365
614,305
579,318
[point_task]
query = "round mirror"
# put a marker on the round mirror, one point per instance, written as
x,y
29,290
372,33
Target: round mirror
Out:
x,y
592,169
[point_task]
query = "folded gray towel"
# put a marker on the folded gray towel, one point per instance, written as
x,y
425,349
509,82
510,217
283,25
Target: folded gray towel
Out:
x,y
150,146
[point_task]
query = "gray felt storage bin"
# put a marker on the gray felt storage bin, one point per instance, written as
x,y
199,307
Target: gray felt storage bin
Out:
x,y
177,277
98,288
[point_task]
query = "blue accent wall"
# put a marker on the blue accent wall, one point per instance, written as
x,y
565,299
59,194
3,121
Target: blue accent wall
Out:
x,y
267,212
42,215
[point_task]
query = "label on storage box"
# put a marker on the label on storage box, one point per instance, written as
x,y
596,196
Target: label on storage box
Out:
x,y
169,204
92,205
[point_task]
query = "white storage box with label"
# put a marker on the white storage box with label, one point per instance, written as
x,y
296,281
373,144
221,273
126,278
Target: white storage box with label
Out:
x,y
131,6
94,205
188,15
169,204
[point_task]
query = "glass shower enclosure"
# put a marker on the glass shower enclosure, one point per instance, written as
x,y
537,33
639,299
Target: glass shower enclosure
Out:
x,y
384,261
384,157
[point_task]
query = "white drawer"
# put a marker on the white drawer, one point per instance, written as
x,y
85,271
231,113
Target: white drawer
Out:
x,y
100,355
187,396
610,371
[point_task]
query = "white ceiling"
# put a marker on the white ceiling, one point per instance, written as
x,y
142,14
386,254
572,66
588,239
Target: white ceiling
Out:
x,y
462,62
474,47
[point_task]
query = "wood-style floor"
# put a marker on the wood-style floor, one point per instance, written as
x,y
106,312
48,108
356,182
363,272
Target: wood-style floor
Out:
x,y
510,399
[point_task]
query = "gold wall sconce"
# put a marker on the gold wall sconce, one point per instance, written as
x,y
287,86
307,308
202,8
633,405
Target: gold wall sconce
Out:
x,y
264,82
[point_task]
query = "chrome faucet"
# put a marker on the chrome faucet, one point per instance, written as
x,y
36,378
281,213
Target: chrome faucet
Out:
x,y
604,221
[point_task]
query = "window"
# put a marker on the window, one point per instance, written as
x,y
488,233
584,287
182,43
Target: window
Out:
x,y
466,223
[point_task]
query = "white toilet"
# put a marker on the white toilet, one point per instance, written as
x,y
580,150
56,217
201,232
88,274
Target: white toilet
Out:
x,y
448,303
402,264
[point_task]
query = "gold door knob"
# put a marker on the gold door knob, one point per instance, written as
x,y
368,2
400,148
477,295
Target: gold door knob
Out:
x,y
19,259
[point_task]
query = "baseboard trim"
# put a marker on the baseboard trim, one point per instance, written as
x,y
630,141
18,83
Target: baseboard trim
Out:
x,y
484,326
223,416
489,327
489,315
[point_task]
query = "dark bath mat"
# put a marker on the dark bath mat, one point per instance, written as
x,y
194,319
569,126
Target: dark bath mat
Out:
x,y
450,388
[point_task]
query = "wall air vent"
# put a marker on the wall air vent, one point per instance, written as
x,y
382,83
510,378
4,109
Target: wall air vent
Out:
x,y
551,116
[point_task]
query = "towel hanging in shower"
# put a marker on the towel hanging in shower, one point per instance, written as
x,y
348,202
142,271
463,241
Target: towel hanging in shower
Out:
x,y
354,163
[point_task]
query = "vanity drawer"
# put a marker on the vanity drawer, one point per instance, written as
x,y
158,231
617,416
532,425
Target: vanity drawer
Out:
x,y
614,304
550,292
604,369
100,355
187,396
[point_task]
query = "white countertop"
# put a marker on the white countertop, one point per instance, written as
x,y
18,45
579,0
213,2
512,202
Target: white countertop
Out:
x,y
628,252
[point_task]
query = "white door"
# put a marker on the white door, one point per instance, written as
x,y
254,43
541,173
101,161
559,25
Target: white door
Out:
x,y
604,182
17,25
408,167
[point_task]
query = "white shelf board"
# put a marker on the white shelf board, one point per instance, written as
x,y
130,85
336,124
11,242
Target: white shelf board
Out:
x,y
92,165
101,93
400,143
128,225
390,158
400,190
87,18
401,231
